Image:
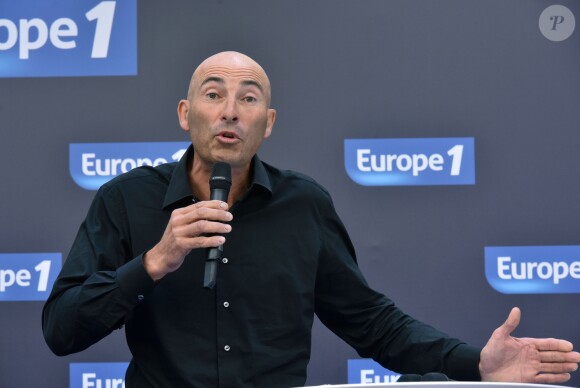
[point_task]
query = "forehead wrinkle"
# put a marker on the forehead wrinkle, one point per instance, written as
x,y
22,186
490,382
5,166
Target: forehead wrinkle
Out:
x,y
212,79
248,75
245,82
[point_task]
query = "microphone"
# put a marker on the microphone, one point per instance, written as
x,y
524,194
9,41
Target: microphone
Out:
x,y
219,185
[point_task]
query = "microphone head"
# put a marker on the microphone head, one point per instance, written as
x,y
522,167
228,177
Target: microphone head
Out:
x,y
221,176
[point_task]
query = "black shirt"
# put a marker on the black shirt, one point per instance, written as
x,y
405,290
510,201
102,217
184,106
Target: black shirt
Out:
x,y
288,256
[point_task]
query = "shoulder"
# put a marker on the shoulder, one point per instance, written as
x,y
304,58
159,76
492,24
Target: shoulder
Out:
x,y
139,177
296,182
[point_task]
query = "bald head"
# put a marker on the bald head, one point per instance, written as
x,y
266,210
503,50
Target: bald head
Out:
x,y
230,62
227,112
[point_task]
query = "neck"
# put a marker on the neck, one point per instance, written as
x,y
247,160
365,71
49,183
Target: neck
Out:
x,y
199,175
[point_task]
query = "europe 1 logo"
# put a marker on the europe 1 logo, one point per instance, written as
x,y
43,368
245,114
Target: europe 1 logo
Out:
x,y
28,276
68,38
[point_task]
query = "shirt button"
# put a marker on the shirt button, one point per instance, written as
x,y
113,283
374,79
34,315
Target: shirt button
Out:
x,y
225,260
227,348
226,304
140,297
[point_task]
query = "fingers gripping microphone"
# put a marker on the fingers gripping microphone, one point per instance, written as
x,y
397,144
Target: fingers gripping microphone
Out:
x,y
219,185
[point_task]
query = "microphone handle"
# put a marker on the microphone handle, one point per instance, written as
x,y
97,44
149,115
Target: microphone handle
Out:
x,y
219,194
211,266
215,254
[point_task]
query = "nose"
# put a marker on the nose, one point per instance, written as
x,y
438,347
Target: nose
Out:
x,y
230,112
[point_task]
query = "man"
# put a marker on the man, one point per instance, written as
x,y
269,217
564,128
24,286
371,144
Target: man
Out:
x,y
138,261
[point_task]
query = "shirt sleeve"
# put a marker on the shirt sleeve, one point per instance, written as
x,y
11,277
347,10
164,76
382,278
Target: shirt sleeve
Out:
x,y
100,283
372,323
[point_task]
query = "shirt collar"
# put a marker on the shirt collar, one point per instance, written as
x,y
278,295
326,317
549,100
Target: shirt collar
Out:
x,y
179,193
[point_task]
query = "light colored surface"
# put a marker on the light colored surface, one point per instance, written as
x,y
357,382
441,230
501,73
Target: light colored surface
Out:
x,y
443,384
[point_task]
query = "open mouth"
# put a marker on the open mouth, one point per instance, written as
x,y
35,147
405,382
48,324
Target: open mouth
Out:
x,y
228,136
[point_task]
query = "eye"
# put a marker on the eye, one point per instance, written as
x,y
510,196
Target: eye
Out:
x,y
250,99
212,96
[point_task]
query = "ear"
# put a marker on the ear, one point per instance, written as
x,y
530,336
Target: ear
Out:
x,y
183,114
270,123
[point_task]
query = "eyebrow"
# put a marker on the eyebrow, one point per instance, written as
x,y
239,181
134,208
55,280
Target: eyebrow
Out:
x,y
220,80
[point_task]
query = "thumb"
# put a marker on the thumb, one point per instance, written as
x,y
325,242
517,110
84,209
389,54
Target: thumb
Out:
x,y
512,322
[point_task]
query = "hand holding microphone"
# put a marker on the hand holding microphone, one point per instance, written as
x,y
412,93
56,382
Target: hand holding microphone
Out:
x,y
200,225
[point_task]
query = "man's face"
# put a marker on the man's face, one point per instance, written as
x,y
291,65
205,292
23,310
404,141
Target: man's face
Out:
x,y
227,112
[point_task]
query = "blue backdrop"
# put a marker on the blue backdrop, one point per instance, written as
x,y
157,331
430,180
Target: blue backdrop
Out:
x,y
502,74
